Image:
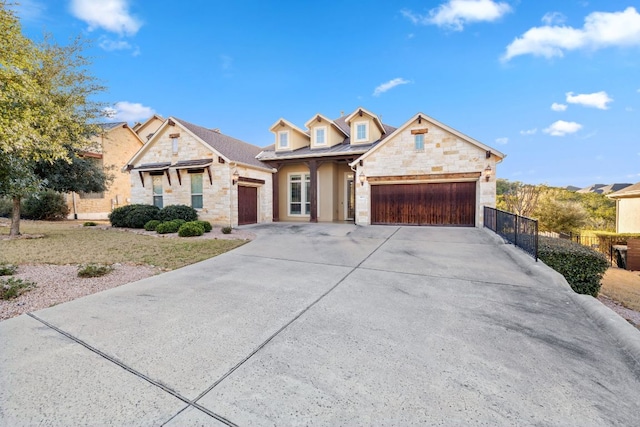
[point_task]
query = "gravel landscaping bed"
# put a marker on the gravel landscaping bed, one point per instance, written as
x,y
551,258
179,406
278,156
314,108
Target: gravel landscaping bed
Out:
x,y
630,316
60,283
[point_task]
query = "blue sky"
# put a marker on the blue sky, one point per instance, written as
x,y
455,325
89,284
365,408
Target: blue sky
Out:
x,y
553,84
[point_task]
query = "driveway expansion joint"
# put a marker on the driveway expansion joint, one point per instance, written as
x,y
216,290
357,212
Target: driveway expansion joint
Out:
x,y
132,370
286,325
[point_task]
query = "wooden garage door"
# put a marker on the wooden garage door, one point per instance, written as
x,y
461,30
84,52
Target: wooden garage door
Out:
x,y
247,205
447,203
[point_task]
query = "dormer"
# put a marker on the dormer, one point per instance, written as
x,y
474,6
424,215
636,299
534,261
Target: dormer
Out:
x,y
365,127
289,137
324,132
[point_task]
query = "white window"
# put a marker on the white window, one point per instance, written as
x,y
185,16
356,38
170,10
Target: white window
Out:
x,y
283,139
196,190
299,189
419,142
321,135
362,131
174,145
157,190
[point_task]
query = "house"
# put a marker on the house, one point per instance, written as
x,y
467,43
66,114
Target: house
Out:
x,y
183,163
603,189
149,127
110,149
357,168
627,209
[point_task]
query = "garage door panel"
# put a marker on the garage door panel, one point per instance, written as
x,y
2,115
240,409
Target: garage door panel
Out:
x,y
424,204
247,205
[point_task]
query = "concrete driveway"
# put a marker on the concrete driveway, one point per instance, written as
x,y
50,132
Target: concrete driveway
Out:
x,y
329,324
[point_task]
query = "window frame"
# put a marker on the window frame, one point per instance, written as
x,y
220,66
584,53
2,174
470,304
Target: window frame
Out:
x,y
280,133
201,193
418,142
154,195
324,135
305,201
174,145
366,131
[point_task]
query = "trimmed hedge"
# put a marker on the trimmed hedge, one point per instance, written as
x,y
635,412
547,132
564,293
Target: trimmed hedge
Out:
x,y
190,229
206,225
168,227
151,225
184,212
133,216
580,265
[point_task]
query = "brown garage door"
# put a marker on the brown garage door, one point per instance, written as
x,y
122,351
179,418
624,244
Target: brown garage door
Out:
x,y
247,205
447,203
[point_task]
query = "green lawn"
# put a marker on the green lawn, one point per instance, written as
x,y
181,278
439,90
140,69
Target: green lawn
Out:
x,y
67,242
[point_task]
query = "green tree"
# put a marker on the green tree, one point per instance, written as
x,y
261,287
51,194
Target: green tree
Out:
x,y
46,111
517,197
556,211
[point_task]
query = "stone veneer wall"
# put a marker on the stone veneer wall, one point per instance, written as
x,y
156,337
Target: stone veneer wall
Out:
x,y
443,153
219,198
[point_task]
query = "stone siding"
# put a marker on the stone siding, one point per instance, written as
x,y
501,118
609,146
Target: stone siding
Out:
x,y
443,153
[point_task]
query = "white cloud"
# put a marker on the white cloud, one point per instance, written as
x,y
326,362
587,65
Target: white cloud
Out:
x,y
129,112
389,85
502,141
629,109
551,18
562,128
454,14
558,107
597,99
529,131
110,15
109,45
600,30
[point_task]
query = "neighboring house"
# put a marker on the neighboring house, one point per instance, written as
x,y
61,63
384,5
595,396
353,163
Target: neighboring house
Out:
x,y
218,175
149,127
627,209
602,188
111,149
356,168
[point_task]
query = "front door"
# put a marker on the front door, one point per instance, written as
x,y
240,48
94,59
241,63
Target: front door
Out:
x,y
350,197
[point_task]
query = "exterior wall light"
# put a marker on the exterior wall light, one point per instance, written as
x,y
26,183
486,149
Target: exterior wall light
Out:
x,y
487,173
362,178
235,177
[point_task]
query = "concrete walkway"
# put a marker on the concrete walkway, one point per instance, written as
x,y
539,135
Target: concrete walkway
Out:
x,y
329,324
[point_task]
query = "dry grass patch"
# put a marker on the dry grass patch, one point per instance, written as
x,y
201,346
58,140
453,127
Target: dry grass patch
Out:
x,y
622,286
68,242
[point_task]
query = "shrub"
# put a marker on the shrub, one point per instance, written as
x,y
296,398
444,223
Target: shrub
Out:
x,y
89,224
178,221
226,230
580,265
13,288
167,227
133,216
7,269
6,207
151,225
45,205
94,270
187,213
190,229
206,225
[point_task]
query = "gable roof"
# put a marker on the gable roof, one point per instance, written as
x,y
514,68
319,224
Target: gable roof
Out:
x,y
328,120
345,147
106,127
233,149
288,123
630,191
435,123
360,111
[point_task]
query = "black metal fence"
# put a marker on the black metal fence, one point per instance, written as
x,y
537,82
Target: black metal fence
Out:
x,y
518,230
